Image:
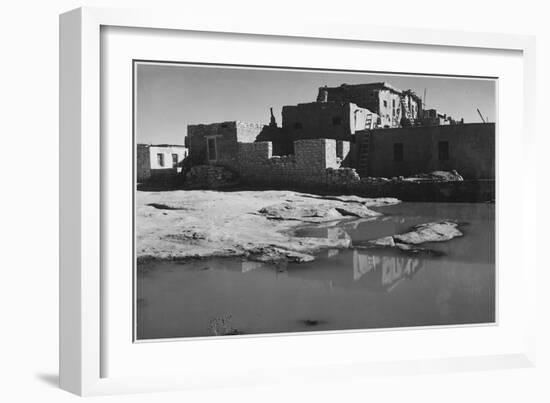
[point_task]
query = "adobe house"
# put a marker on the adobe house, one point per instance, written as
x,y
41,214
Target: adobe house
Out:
x,y
430,117
468,148
330,120
341,111
343,132
316,120
159,161
395,108
217,143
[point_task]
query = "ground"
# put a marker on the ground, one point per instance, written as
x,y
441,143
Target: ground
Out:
x,y
255,224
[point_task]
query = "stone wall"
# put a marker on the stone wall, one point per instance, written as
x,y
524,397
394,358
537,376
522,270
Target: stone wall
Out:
x,y
308,166
227,136
315,167
209,177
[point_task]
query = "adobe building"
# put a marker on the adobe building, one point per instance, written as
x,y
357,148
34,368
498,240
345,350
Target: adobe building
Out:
x,y
341,111
395,108
159,161
340,143
467,148
217,143
430,117
330,120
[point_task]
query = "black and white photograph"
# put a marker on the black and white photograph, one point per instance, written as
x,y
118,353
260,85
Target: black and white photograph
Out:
x,y
271,200
237,201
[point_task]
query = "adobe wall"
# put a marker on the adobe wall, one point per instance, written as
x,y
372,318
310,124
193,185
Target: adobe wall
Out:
x,y
143,163
373,97
318,166
256,164
147,161
227,134
279,137
247,132
359,95
471,150
306,166
316,120
390,108
167,152
315,167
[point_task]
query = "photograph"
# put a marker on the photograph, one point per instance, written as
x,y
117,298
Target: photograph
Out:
x,y
271,200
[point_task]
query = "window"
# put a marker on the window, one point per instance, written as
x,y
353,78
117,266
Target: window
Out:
x,y
174,160
337,120
443,151
211,149
398,152
298,125
160,159
385,104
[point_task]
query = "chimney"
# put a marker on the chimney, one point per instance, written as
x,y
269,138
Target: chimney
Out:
x,y
323,95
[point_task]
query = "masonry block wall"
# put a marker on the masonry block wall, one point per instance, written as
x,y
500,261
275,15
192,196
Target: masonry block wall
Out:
x,y
226,135
256,164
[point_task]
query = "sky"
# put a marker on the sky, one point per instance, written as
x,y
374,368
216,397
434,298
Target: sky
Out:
x,y
171,96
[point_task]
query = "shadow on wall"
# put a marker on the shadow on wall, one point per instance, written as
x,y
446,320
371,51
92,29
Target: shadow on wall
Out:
x,y
163,179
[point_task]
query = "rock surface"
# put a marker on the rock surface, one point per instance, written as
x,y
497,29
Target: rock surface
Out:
x,y
437,176
430,232
432,177
317,211
209,177
256,224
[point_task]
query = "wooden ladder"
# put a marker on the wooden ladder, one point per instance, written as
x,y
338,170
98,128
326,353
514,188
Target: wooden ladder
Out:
x,y
406,111
364,149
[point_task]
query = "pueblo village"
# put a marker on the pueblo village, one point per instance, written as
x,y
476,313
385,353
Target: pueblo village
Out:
x,y
364,172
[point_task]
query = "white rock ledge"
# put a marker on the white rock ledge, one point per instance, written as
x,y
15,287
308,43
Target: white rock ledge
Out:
x,y
176,225
440,231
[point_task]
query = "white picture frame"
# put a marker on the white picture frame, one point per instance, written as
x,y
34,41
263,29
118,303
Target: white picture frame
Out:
x,y
82,307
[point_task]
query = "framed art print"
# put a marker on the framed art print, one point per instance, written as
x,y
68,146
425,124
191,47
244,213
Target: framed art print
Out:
x,y
249,195
363,207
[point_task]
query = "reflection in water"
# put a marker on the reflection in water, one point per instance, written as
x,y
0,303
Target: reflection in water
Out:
x,y
374,271
392,269
341,289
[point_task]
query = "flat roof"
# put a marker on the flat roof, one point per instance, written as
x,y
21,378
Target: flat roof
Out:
x,y
381,84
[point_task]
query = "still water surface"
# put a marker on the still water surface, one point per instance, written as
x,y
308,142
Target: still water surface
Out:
x,y
342,289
